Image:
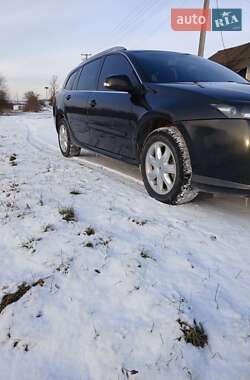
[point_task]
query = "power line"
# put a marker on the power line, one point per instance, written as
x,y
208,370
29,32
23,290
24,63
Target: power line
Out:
x,y
131,15
141,17
221,33
128,20
149,6
153,31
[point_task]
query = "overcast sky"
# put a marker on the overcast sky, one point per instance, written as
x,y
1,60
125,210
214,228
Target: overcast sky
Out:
x,y
39,38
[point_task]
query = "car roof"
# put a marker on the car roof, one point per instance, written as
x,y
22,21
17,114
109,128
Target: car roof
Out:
x,y
123,50
156,51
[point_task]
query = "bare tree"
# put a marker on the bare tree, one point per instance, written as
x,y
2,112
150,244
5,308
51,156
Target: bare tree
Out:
x,y
4,102
32,102
54,86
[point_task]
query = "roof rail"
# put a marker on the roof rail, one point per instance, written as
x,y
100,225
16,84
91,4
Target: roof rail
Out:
x,y
116,48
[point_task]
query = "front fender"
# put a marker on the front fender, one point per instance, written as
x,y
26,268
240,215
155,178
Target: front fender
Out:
x,y
156,120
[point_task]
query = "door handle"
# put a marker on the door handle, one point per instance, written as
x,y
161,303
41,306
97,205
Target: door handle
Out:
x,y
68,97
92,103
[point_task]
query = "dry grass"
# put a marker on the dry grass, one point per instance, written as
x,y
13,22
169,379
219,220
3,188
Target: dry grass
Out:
x,y
139,222
89,231
89,244
193,334
127,372
12,160
30,244
75,192
48,227
12,157
10,298
145,255
68,214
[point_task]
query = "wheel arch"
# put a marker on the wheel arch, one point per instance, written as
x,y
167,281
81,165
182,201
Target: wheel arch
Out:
x,y
59,116
155,123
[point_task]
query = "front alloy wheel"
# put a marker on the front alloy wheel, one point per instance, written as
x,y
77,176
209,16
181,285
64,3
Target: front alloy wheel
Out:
x,y
166,167
160,167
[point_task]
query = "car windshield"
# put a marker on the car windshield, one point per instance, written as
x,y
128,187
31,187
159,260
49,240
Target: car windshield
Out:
x,y
167,67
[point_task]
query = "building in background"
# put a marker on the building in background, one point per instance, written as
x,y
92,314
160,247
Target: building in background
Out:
x,y
236,58
18,105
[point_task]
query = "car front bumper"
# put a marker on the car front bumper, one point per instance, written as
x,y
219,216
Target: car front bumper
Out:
x,y
220,154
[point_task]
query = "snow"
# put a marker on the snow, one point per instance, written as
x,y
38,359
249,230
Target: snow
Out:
x,y
106,310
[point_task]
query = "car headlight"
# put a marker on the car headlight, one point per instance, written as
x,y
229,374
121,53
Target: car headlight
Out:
x,y
233,112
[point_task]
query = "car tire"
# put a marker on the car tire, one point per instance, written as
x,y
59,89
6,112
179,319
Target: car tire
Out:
x,y
166,167
67,148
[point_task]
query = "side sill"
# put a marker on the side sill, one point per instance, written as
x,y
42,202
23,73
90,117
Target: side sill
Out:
x,y
215,185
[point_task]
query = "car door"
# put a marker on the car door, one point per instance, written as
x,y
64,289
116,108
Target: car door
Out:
x,y
69,99
79,100
110,117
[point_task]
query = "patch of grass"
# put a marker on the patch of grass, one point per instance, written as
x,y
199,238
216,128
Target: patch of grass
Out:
x,y
68,214
65,265
97,242
14,187
139,222
89,244
26,348
10,298
63,268
12,157
41,202
89,231
127,372
193,334
30,244
75,192
48,227
145,255
135,289
104,242
12,160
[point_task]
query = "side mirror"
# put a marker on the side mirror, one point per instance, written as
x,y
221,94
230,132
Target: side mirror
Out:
x,y
119,83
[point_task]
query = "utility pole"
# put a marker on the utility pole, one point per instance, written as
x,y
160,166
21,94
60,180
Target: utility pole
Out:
x,y
203,32
85,56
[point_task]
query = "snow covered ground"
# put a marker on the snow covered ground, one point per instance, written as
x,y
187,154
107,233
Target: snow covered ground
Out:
x,y
112,293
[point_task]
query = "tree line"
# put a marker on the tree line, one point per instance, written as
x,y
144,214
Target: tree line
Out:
x,y
33,102
4,99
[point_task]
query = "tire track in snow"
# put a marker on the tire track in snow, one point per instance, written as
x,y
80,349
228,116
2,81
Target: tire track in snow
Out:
x,y
124,178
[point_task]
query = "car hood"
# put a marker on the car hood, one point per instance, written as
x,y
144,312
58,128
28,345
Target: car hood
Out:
x,y
230,92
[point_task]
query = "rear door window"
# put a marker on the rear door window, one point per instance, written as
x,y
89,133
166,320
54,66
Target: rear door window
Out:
x,y
74,86
70,81
89,75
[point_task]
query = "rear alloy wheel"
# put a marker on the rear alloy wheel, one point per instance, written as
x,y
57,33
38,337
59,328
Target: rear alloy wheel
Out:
x,y
166,167
66,147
